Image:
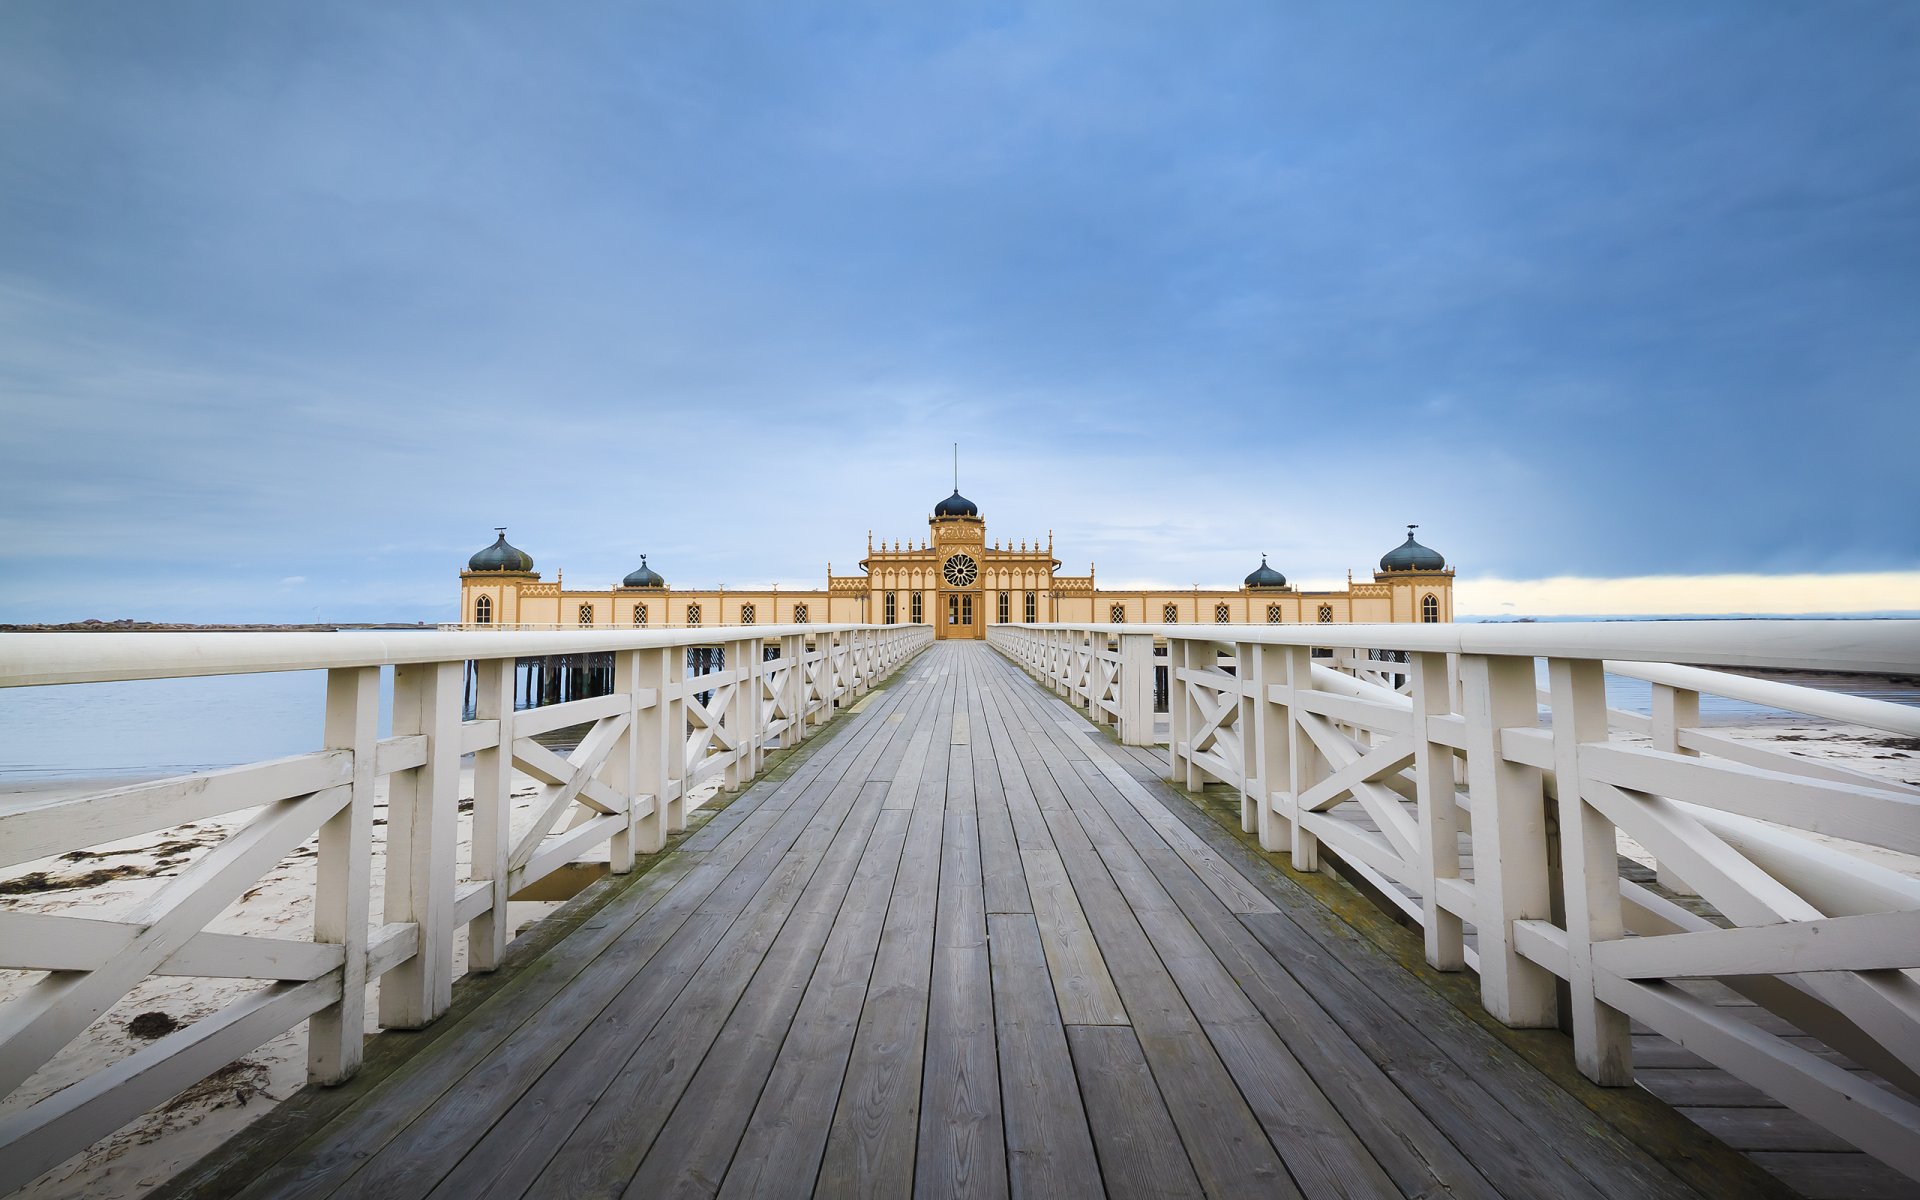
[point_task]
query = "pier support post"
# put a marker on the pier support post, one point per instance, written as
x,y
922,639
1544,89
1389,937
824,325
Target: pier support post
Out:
x,y
1136,689
1269,773
1674,709
1306,766
422,804
344,876
1439,812
1510,869
1602,1041
493,813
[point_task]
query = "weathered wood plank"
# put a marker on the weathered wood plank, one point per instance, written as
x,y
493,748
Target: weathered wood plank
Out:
x,y
1364,988
733,928
1838,1176
1139,1148
1417,1155
870,1148
962,1146
785,924
413,1148
1081,981
691,1155
1049,1145
778,1153
1228,1150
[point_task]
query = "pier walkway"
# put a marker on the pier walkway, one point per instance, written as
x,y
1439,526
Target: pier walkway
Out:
x,y
966,944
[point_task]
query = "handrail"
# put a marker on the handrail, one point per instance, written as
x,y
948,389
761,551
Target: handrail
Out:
x,y
1866,645
30,659
1472,799
650,745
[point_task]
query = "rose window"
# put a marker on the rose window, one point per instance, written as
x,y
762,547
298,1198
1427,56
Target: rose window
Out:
x,y
960,571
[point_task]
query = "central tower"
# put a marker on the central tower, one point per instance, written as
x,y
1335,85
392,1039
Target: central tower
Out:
x,y
958,537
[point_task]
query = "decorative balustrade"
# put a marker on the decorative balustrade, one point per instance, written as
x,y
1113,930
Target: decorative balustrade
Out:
x,y
1494,812
647,748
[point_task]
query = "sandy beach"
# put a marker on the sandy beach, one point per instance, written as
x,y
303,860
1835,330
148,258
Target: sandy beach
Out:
x,y
108,879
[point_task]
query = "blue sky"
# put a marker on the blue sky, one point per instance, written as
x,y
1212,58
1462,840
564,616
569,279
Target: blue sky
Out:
x,y
297,301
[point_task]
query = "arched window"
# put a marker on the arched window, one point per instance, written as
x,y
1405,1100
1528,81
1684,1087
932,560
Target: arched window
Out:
x,y
483,611
918,613
640,614
746,614
693,616
1031,609
1220,614
892,611
1117,615
1273,614
1326,614
799,614
586,614
1006,608
1170,614
1430,608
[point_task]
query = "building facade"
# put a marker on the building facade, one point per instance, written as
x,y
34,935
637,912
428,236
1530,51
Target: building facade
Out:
x,y
956,581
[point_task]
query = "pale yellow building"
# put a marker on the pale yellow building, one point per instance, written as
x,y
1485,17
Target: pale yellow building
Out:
x,y
957,581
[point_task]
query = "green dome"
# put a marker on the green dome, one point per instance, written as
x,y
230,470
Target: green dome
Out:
x,y
645,577
1412,556
1266,577
500,556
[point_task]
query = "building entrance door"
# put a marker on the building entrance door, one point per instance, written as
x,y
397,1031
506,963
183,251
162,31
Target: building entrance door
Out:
x,y
960,620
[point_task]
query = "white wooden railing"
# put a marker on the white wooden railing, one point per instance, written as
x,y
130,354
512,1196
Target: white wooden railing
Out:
x,y
1491,810
651,743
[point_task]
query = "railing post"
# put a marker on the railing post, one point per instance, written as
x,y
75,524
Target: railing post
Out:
x,y
421,808
1674,709
344,876
487,935
1510,871
1251,785
1305,764
1136,689
1181,708
742,716
793,648
1439,811
621,770
1602,1042
1264,734
657,747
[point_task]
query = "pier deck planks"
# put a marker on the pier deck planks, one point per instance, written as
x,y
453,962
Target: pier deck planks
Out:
x,y
969,947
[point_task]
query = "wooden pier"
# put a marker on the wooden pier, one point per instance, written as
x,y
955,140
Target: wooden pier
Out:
x,y
967,945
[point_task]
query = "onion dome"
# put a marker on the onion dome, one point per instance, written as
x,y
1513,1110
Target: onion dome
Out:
x,y
1266,577
500,556
645,577
1412,556
956,505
